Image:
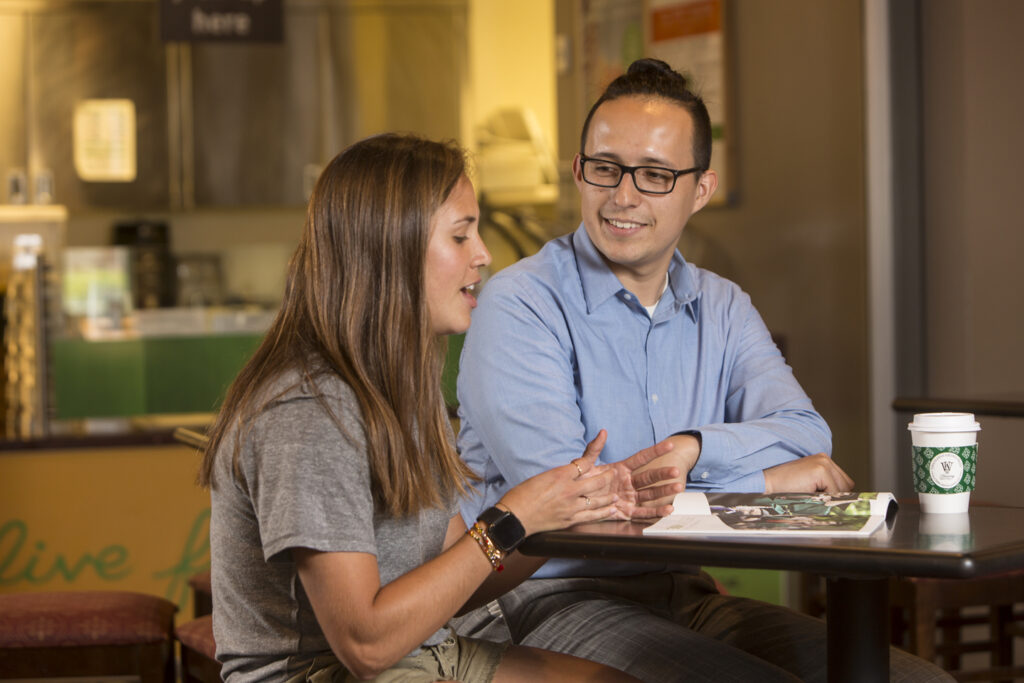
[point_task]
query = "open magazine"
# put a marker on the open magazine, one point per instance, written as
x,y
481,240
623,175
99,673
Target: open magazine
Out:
x,y
754,514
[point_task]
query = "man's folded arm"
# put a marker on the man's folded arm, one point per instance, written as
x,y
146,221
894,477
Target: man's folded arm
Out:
x,y
768,419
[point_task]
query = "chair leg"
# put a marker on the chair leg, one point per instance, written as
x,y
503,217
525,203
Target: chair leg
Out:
x,y
1000,616
951,636
898,628
156,663
923,625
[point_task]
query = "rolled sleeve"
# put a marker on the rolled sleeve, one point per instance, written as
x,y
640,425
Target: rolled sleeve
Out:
x,y
767,419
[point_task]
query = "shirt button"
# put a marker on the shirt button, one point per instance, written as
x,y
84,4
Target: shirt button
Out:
x,y
704,475
654,397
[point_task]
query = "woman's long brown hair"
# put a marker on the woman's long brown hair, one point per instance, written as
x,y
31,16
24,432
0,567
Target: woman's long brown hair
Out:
x,y
354,306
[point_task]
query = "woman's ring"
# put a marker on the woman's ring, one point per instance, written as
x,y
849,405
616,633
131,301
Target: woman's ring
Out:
x,y
578,468
586,500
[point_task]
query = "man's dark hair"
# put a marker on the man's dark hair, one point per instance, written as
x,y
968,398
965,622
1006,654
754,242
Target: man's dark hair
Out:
x,y
655,79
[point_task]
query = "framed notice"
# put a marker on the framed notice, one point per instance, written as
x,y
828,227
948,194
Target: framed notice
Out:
x,y
689,35
104,135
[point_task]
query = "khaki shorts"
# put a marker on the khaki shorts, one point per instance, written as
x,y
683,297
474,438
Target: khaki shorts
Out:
x,y
456,659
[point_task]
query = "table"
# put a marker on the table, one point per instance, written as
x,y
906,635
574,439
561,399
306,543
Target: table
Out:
x,y
857,569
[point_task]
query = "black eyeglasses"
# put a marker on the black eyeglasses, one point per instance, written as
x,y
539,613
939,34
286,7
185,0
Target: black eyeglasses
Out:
x,y
649,179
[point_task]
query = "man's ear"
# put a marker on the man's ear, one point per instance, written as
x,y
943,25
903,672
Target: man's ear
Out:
x,y
706,187
577,171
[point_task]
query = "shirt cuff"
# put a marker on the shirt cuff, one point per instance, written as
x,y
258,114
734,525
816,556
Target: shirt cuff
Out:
x,y
714,472
695,433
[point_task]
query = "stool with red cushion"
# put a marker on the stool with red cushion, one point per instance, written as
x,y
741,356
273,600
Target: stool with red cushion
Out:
x,y
197,651
87,633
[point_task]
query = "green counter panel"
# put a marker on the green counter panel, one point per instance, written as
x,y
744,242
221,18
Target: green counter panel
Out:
x,y
451,370
759,584
145,376
98,379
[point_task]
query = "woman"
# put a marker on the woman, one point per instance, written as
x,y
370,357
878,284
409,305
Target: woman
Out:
x,y
337,552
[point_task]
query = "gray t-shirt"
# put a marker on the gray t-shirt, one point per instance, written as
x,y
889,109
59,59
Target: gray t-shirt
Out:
x,y
303,484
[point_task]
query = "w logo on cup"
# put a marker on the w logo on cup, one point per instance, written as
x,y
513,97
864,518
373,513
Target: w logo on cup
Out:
x,y
944,470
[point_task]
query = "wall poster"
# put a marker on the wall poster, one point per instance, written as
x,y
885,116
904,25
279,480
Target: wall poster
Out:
x,y
689,35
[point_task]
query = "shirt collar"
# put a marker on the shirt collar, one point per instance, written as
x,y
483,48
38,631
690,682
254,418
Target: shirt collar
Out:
x,y
600,284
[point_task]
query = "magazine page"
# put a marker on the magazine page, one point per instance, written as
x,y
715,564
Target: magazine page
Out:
x,y
854,513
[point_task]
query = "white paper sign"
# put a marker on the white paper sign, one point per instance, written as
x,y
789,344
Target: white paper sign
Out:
x,y
104,140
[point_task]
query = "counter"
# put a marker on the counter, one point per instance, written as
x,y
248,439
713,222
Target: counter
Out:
x,y
107,513
137,438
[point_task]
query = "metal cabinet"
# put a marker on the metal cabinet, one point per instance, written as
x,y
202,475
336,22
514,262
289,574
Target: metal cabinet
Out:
x,y
13,141
225,124
266,118
105,50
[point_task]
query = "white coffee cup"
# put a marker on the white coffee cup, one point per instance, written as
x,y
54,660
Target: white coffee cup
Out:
x,y
945,460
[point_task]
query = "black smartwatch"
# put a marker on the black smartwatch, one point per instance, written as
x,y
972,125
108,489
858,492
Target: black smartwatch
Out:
x,y
503,528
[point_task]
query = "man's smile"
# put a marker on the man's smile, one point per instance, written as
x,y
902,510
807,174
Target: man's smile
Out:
x,y
624,224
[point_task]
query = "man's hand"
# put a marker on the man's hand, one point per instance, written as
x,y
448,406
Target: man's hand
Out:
x,y
647,481
807,475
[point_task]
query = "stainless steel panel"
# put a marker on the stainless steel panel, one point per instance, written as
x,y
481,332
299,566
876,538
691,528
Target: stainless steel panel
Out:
x,y
13,143
424,72
239,124
86,50
255,116
266,115
407,66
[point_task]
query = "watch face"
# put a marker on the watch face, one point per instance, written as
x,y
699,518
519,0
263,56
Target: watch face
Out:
x,y
504,534
504,528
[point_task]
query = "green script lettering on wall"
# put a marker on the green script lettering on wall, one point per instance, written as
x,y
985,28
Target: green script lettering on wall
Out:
x,y
34,565
195,557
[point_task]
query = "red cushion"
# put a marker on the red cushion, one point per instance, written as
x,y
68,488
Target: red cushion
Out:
x,y
83,618
198,635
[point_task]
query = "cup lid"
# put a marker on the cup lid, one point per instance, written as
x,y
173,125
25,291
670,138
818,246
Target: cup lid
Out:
x,y
944,422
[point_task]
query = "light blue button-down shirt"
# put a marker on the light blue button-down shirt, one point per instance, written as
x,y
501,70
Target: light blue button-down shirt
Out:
x,y
559,350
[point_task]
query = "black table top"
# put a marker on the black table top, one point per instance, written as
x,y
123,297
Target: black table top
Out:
x,y
989,540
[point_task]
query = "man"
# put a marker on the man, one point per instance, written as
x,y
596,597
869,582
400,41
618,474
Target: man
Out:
x,y
610,328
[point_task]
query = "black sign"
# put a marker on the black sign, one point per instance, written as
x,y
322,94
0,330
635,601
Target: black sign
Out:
x,y
231,20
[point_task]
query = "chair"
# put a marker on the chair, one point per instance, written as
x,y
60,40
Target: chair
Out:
x,y
202,593
921,609
198,648
87,633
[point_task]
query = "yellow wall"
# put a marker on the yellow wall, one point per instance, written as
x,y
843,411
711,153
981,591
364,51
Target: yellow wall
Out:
x,y
512,60
121,518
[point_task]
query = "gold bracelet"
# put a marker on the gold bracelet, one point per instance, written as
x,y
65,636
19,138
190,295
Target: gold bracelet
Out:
x,y
479,533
